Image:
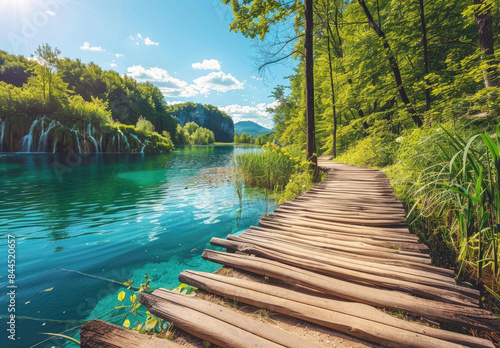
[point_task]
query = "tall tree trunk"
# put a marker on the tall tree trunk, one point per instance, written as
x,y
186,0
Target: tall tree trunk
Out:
x,y
309,65
485,27
332,87
394,65
426,56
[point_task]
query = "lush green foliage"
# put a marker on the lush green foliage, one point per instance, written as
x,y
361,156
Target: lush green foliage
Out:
x,y
207,116
280,170
193,134
450,179
244,138
71,90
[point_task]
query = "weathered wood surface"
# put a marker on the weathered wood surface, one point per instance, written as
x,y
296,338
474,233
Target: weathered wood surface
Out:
x,y
339,252
99,334
355,319
215,323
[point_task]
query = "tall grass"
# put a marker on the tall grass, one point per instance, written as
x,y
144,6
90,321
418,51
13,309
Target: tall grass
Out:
x,y
474,169
450,183
268,170
278,172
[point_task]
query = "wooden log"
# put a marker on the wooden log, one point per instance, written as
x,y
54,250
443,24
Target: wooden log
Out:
x,y
332,226
332,239
446,312
357,219
331,268
389,254
368,268
427,271
244,322
312,204
318,236
332,243
99,334
271,223
203,326
335,314
340,212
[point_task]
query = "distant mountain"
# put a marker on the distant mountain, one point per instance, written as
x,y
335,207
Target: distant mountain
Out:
x,y
250,127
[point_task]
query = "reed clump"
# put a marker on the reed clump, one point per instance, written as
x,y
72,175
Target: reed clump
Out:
x,y
280,170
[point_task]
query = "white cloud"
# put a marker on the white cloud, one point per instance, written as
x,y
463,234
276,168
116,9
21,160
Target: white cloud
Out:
x,y
256,113
256,78
175,102
207,64
173,87
150,42
86,47
113,65
147,41
170,86
217,81
119,55
50,13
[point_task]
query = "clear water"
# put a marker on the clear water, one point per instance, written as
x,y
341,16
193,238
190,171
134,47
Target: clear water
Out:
x,y
113,216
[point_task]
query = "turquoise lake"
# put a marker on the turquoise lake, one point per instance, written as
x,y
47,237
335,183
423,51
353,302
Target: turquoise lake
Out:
x,y
115,216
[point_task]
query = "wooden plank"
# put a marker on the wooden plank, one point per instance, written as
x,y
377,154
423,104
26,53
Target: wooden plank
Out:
x,y
367,269
331,226
332,243
259,328
389,254
446,312
328,267
271,223
99,334
213,323
318,236
349,317
429,271
316,244
340,212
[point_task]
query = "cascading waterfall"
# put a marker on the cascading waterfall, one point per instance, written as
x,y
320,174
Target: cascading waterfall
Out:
x,y
146,142
77,138
93,140
119,143
42,142
55,146
127,145
100,142
2,135
114,136
27,140
136,138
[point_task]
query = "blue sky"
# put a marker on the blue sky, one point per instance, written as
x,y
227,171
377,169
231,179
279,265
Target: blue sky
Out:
x,y
183,46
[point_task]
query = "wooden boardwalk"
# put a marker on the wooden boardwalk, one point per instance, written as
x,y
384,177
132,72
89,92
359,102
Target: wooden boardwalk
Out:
x,y
335,256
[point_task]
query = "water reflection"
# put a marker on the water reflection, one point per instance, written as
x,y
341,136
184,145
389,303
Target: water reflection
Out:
x,y
112,216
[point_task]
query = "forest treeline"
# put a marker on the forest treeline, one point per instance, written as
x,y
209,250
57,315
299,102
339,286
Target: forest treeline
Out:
x,y
410,87
72,92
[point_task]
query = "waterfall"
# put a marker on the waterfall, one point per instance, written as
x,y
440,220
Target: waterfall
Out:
x,y
100,141
127,145
42,142
55,146
146,142
1,136
113,142
27,140
119,141
93,140
77,138
137,139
